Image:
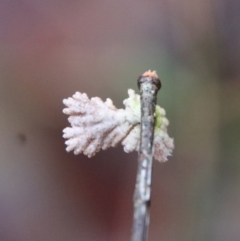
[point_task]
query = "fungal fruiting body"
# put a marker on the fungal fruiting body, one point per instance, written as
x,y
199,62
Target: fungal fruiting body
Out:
x,y
97,125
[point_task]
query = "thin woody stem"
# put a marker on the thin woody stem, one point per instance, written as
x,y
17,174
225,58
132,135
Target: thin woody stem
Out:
x,y
149,84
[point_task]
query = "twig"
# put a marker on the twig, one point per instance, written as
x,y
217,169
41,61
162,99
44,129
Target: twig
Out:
x,y
149,84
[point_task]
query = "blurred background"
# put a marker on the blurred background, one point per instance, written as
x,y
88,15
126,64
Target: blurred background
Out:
x,y
50,49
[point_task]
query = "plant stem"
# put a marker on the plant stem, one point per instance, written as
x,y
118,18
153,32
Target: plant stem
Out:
x,y
149,84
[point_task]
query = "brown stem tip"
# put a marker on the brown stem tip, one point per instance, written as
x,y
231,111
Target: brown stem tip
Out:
x,y
150,77
150,73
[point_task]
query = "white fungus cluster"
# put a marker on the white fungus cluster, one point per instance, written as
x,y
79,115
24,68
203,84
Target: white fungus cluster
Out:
x,y
97,125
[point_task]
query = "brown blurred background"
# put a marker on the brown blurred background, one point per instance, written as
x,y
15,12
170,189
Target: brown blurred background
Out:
x,y
50,49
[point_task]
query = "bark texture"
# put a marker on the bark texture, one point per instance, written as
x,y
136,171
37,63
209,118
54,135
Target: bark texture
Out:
x,y
149,84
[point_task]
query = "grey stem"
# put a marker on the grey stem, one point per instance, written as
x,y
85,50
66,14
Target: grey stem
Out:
x,y
149,86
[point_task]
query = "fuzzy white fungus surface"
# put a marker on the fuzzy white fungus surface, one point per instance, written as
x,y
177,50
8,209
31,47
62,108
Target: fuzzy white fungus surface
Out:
x,y
97,125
